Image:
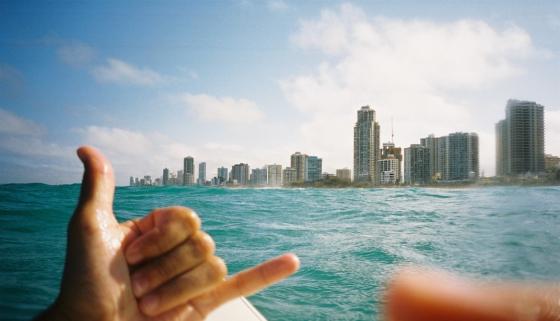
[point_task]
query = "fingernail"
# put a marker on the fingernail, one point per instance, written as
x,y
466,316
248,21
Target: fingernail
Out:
x,y
150,303
139,284
133,254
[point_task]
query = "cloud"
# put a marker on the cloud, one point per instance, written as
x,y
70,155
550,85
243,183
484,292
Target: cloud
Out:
x,y
135,153
11,124
222,109
277,5
23,137
119,72
419,72
76,54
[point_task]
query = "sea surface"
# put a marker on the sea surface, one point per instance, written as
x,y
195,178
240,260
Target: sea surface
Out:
x,y
349,241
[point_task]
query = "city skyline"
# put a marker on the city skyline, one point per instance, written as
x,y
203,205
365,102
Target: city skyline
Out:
x,y
452,158
266,81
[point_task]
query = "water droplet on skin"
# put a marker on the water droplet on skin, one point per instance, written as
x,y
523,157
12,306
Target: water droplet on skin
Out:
x,y
111,235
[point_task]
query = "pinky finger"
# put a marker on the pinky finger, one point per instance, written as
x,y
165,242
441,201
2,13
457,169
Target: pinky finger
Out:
x,y
247,282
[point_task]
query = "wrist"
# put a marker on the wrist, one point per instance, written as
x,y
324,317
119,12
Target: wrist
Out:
x,y
53,313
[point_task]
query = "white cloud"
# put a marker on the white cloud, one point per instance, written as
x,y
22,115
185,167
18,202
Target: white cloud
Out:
x,y
23,137
119,72
222,109
11,124
76,54
419,72
277,5
135,153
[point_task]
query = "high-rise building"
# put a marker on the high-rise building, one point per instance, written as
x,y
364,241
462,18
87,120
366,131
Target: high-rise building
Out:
x,y
344,174
165,177
438,156
202,173
258,176
274,175
502,147
289,176
188,170
240,174
389,170
180,177
131,181
389,151
172,179
520,139
298,161
147,180
417,165
314,168
366,146
462,156
222,175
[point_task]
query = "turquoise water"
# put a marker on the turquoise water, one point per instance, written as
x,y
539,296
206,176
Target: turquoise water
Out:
x,y
349,240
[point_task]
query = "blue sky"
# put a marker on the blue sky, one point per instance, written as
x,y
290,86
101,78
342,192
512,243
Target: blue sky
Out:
x,y
254,81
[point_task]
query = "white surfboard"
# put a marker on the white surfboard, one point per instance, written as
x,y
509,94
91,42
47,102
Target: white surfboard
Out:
x,y
236,310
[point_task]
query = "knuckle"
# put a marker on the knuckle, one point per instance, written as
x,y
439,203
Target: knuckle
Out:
x,y
84,224
217,268
189,218
204,244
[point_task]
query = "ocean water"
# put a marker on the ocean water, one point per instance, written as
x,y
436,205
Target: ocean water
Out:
x,y
349,240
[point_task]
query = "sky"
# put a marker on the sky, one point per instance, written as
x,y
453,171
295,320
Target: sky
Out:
x,y
150,82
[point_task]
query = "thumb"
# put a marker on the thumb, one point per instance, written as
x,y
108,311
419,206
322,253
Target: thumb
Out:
x,y
98,184
422,295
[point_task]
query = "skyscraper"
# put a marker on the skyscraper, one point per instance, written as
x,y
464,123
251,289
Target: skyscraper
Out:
x,y
274,175
502,147
165,177
389,170
258,176
289,176
180,177
438,156
202,173
222,175
391,152
462,156
131,182
520,139
366,146
417,165
298,161
240,174
314,168
188,170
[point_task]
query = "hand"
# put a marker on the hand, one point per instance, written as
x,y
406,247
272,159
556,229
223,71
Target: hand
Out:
x,y
101,283
422,295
